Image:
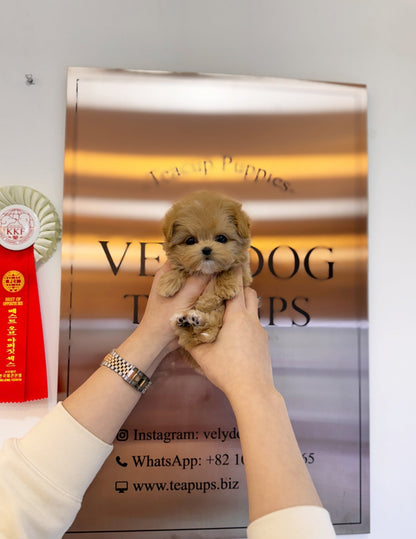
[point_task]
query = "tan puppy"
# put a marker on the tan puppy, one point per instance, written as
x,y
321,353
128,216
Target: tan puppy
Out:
x,y
205,233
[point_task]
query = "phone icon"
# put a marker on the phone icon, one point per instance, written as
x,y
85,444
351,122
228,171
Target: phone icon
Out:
x,y
120,462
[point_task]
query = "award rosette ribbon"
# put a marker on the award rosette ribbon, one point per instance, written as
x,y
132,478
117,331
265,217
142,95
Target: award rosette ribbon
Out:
x,y
29,231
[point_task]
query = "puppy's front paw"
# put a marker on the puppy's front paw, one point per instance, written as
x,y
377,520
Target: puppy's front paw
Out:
x,y
180,320
196,319
170,283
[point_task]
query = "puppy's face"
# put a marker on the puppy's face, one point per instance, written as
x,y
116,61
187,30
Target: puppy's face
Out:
x,y
206,233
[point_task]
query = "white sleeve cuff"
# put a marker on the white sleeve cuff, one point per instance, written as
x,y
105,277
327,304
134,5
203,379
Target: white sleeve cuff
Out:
x,y
303,522
64,451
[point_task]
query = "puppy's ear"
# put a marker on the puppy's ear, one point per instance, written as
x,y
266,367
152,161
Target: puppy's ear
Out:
x,y
241,221
168,227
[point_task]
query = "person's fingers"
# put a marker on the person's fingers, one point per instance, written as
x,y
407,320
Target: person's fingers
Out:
x,y
193,287
252,301
238,302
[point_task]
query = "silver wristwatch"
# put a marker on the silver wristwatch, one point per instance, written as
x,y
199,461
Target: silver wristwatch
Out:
x,y
130,373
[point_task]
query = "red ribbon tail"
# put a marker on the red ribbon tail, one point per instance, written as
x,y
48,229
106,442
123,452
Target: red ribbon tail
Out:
x,y
23,374
36,386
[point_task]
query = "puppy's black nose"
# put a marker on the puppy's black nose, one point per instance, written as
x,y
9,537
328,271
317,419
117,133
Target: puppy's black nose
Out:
x,y
206,251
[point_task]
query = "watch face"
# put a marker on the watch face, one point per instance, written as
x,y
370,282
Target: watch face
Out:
x,y
139,381
19,227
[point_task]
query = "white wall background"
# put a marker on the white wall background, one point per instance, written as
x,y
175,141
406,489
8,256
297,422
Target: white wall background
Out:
x,y
362,41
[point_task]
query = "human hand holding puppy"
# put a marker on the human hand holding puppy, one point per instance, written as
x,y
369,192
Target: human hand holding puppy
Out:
x,y
205,233
238,362
155,333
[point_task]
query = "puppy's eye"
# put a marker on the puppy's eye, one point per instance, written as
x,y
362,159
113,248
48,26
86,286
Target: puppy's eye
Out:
x,y
190,241
221,238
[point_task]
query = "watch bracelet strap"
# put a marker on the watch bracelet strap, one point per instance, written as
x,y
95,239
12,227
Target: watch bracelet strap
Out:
x,y
130,373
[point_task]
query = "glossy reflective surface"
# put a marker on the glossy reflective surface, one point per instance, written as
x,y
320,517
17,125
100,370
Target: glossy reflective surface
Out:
x,y
294,153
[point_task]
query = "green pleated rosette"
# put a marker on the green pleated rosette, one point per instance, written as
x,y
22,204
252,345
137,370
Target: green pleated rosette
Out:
x,y
50,225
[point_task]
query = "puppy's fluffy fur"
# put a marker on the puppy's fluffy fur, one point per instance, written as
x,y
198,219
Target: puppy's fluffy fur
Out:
x,y
205,233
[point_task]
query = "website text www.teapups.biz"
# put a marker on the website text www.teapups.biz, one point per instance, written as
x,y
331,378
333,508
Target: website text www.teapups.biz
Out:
x,y
224,483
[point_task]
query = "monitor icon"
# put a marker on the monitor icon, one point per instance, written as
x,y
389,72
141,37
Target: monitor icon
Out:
x,y
121,486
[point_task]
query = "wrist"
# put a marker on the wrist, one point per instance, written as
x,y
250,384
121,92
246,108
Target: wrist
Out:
x,y
254,399
143,350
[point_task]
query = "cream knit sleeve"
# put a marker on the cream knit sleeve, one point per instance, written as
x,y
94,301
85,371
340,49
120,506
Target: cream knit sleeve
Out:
x,y
304,522
44,475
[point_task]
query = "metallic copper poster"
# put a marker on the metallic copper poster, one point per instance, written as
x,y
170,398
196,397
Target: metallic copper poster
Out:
x,y
295,154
